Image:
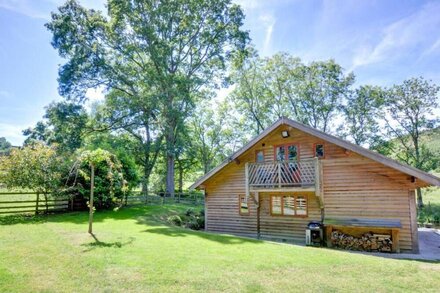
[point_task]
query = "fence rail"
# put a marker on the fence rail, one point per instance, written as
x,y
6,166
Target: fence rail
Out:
x,y
157,199
36,205
30,202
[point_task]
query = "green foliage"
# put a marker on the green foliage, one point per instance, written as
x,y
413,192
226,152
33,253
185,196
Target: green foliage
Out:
x,y
175,220
409,107
63,125
5,146
143,50
189,219
35,167
110,185
266,89
123,147
362,113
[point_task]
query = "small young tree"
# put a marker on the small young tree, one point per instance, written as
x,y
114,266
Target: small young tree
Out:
x,y
36,167
99,172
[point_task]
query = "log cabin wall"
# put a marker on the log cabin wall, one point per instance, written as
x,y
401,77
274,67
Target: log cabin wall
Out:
x,y
286,228
354,187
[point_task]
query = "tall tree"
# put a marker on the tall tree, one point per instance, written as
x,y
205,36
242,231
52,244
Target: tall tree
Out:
x,y
409,112
175,47
321,88
361,114
281,80
208,139
136,117
250,94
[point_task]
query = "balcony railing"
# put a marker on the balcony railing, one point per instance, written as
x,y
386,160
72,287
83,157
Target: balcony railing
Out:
x,y
282,175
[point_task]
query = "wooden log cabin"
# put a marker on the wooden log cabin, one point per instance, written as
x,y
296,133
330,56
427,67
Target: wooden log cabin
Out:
x,y
292,174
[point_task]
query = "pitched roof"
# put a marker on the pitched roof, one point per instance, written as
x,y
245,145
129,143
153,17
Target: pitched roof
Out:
x,y
424,176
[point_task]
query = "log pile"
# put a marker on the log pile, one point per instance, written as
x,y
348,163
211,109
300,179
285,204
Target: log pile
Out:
x,y
367,242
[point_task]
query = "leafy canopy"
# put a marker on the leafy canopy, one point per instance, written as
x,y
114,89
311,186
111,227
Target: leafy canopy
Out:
x,y
36,167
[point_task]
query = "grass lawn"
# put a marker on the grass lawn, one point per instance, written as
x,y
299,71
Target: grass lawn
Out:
x,y
136,251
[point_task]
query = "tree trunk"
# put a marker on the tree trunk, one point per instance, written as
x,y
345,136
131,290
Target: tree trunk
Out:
x,y
419,198
92,187
47,204
170,142
180,179
38,202
170,176
145,183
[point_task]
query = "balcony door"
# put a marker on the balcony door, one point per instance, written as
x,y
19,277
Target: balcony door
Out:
x,y
288,156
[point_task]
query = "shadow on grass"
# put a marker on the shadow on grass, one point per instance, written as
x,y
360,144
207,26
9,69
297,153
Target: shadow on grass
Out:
x,y
100,244
22,219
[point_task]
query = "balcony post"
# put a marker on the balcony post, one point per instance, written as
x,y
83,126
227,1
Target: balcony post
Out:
x,y
279,174
246,168
317,181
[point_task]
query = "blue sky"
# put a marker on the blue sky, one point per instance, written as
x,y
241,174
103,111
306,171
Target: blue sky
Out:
x,y
382,42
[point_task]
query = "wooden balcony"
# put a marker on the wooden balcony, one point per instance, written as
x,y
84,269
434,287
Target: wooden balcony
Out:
x,y
283,176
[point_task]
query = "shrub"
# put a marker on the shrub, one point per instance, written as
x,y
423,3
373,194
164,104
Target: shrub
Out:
x,y
190,212
175,219
436,219
190,219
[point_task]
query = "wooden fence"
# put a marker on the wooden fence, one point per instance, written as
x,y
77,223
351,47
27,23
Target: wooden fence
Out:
x,y
30,202
186,198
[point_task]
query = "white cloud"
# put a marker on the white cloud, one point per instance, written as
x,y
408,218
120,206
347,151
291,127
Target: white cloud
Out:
x,y
268,20
401,37
13,133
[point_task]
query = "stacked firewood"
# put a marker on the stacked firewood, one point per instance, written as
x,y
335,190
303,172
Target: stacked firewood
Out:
x,y
367,242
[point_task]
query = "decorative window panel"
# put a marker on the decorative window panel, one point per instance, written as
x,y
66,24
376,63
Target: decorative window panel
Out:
x,y
288,205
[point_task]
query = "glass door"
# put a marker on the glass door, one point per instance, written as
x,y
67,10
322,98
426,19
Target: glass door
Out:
x,y
288,155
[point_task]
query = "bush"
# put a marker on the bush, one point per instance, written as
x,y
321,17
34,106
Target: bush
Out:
x,y
175,219
190,219
436,219
189,212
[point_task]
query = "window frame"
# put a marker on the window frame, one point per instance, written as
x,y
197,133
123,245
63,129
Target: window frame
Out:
x,y
286,152
314,150
295,197
240,196
256,156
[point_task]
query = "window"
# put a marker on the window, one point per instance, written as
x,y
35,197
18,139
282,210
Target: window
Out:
x,y
259,156
276,203
244,209
286,152
292,153
319,151
288,205
280,153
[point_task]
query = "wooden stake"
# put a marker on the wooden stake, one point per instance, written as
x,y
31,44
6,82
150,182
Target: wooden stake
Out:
x,y
38,202
92,187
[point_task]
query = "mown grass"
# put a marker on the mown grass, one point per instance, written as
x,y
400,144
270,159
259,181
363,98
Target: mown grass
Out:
x,y
136,251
